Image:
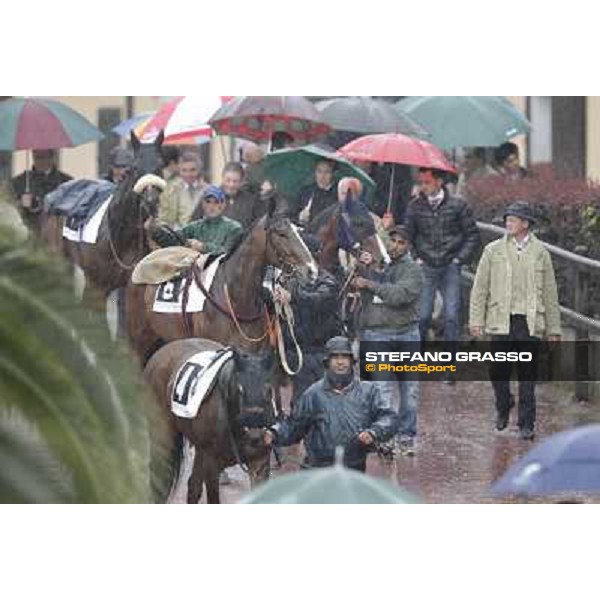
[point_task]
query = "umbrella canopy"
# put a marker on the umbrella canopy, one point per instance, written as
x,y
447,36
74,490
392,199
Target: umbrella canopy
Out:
x,y
257,118
291,169
398,149
468,121
362,114
43,124
184,118
568,462
124,128
335,485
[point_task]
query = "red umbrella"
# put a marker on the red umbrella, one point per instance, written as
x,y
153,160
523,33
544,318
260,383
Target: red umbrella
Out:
x,y
397,149
258,118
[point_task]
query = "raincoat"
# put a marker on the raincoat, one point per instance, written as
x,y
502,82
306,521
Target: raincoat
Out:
x,y
326,418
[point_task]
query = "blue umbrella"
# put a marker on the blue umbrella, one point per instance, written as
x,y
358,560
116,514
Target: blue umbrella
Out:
x,y
568,462
124,128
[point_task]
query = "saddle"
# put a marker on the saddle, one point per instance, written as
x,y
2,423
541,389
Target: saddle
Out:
x,y
167,264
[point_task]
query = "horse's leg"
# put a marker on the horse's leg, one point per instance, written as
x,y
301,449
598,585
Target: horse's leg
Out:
x,y
211,477
141,337
196,482
94,299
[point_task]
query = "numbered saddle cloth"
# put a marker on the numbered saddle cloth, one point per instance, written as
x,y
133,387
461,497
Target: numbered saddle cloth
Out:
x,y
195,380
170,295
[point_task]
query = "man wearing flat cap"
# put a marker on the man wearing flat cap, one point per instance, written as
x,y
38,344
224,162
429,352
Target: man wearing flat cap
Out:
x,y
515,299
213,234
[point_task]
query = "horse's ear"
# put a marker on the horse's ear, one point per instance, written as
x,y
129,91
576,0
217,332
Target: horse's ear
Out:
x,y
135,142
159,141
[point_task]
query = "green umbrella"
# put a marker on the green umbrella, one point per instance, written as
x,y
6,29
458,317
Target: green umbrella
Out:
x,y
335,485
293,168
466,121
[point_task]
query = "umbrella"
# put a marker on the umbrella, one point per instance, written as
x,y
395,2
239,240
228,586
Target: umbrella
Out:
x,y
42,124
396,149
335,485
466,120
362,114
257,118
124,128
293,168
184,118
566,462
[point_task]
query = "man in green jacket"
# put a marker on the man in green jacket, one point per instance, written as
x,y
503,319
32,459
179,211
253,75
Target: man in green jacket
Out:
x,y
214,234
390,313
515,299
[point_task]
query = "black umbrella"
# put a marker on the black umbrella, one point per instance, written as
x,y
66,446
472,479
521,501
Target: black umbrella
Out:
x,y
366,115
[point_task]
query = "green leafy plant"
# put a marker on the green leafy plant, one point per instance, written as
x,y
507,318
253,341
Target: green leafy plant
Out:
x,y
75,418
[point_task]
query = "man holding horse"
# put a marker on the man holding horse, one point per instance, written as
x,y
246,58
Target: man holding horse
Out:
x,y
214,234
337,411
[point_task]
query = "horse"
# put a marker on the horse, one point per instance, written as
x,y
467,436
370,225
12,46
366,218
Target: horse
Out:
x,y
228,429
235,313
348,227
122,239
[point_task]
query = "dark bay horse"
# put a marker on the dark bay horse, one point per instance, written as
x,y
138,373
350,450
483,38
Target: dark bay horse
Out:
x,y
228,429
235,313
122,239
349,227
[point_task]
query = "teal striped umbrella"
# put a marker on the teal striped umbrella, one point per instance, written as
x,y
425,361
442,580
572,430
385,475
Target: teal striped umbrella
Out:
x,y
466,121
43,124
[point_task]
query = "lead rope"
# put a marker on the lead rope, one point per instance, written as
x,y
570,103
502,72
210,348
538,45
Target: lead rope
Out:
x,y
236,322
284,312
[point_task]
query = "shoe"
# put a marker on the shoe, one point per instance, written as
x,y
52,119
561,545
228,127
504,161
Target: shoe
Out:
x,y
387,451
406,447
502,420
527,435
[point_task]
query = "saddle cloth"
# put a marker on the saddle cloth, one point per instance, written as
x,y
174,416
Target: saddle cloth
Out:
x,y
195,380
169,295
88,233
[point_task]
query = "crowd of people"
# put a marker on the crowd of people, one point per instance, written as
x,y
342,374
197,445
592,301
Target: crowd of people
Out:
x,y
431,236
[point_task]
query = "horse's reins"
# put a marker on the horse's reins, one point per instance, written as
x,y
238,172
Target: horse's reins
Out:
x,y
140,240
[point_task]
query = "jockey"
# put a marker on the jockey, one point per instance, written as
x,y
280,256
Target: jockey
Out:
x,y
213,234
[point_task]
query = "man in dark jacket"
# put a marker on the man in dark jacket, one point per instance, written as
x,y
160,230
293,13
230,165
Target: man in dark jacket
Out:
x,y
445,237
337,411
390,313
317,317
43,179
318,196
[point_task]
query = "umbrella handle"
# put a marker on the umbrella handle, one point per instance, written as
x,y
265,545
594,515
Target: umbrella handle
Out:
x,y
27,173
392,181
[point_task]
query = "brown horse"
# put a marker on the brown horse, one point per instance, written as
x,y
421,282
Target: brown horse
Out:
x,y
122,239
235,313
349,227
228,429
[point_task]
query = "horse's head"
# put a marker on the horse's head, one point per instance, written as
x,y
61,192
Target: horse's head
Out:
x,y
147,173
285,247
257,409
350,227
